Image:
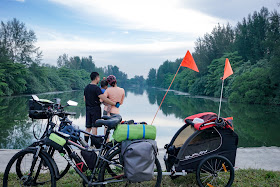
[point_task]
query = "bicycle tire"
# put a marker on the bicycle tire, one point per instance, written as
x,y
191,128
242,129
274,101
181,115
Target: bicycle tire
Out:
x,y
215,170
15,180
105,166
61,172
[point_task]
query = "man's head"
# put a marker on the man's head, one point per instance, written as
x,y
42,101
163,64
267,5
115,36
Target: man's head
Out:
x,y
104,84
94,76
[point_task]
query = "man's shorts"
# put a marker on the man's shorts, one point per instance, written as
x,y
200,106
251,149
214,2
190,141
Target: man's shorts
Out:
x,y
92,114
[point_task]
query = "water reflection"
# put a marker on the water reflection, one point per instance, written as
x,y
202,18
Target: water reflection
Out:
x,y
256,125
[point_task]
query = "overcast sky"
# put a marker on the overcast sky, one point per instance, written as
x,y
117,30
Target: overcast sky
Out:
x,y
135,35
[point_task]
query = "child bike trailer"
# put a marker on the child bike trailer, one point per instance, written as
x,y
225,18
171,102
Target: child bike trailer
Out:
x,y
205,145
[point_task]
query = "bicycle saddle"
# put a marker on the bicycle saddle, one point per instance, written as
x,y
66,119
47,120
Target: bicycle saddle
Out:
x,y
111,122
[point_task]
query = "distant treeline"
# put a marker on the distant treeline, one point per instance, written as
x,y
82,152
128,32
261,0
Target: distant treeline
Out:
x,y
22,72
253,49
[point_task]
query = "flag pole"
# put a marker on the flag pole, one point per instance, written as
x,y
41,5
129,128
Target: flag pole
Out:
x,y
166,94
221,98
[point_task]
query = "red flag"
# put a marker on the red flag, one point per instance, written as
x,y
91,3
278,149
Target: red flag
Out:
x,y
228,71
189,62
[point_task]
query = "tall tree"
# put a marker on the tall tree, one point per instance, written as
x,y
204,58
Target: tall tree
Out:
x,y
19,42
151,80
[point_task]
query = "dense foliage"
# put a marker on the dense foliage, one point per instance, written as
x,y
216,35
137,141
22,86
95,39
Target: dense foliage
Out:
x,y
21,70
253,49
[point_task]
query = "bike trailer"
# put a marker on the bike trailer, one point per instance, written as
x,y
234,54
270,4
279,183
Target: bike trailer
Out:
x,y
193,142
139,159
37,111
134,132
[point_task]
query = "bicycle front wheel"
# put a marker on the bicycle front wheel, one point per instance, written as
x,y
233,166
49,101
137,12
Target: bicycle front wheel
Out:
x,y
41,173
113,164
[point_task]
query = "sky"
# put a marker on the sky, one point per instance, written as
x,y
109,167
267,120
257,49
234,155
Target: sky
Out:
x,y
135,35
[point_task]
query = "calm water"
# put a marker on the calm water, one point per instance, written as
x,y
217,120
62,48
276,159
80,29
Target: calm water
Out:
x,y
256,125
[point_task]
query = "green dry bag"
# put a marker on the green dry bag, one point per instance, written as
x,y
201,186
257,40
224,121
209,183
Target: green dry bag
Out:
x,y
134,132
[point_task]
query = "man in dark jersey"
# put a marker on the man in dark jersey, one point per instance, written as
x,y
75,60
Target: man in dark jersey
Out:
x,y
92,96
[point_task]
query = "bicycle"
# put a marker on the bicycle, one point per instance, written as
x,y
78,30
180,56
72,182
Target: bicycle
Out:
x,y
108,161
26,155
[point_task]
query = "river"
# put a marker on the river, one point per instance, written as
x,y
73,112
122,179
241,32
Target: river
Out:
x,y
256,125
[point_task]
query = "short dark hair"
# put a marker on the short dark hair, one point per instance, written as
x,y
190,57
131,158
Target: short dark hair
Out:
x,y
103,83
93,75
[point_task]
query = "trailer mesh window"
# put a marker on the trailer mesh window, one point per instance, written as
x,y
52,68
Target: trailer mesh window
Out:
x,y
183,136
206,141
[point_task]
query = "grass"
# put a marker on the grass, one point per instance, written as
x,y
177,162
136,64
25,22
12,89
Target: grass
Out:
x,y
243,177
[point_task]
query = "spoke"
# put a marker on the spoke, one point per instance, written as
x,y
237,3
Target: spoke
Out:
x,y
221,179
218,164
210,166
206,171
206,167
211,181
206,178
222,168
215,179
215,164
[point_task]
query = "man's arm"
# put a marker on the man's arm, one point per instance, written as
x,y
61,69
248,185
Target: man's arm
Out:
x,y
106,100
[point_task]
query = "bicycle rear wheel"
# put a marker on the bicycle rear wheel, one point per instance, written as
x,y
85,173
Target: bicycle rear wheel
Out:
x,y
118,172
42,173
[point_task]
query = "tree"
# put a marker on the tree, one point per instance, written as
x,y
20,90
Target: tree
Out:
x,y
19,42
213,46
151,80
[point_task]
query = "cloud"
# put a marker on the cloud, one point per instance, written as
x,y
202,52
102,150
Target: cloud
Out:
x,y
232,11
144,15
22,1
129,57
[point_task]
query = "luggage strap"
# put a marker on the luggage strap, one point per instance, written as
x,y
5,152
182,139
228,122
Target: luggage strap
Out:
x,y
127,137
144,132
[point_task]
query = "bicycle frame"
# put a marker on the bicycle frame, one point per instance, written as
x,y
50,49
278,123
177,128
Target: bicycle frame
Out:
x,y
102,153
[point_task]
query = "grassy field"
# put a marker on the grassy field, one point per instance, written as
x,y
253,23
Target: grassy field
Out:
x,y
243,177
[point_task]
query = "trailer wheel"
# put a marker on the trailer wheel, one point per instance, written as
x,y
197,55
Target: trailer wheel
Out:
x,y
215,171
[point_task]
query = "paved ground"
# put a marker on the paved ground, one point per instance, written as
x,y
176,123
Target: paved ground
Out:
x,y
267,158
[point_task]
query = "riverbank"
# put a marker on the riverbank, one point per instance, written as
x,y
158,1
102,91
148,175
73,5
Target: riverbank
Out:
x,y
266,158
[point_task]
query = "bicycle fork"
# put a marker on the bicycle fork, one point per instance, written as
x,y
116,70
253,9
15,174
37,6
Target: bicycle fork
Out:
x,y
26,179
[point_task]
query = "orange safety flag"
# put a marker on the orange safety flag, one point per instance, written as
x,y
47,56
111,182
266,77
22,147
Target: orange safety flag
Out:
x,y
228,71
188,62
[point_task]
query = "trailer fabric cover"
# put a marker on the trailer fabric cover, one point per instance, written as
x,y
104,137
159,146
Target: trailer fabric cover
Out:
x,y
206,116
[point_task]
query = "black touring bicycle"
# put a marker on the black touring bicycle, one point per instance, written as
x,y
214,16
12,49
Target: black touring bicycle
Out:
x,y
205,145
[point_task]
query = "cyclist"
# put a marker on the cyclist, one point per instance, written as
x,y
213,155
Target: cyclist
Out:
x,y
92,96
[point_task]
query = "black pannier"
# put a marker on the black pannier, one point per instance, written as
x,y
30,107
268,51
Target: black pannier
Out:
x,y
37,111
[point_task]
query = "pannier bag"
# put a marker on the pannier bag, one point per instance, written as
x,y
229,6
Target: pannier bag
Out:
x,y
56,141
36,111
134,132
139,159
